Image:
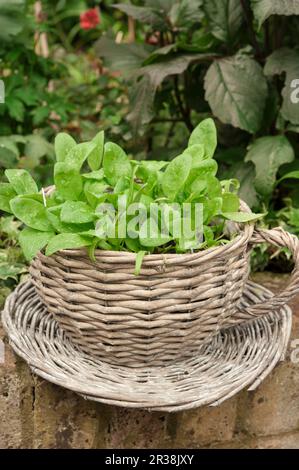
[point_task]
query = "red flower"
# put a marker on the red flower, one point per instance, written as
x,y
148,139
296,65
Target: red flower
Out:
x,y
90,19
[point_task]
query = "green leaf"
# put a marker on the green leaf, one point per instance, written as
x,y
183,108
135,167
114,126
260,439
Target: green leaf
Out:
x,y
205,134
54,216
142,96
16,108
152,238
236,90
268,154
143,14
121,57
11,271
292,174
245,174
185,13
96,156
262,9
6,194
40,115
139,259
37,147
163,6
68,181
21,181
211,208
9,153
76,213
95,192
286,60
64,143
65,241
224,17
12,18
94,175
10,227
32,213
77,155
149,78
32,241
157,53
242,216
176,175
197,153
115,163
149,167
204,169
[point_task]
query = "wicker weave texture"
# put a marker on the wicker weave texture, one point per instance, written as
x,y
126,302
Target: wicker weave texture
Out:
x,y
240,356
174,305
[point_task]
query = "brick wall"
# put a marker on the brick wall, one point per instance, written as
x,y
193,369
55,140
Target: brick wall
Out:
x,y
37,414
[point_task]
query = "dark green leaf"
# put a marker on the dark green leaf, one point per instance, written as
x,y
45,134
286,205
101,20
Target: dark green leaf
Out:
x,y
262,9
242,216
292,174
21,181
268,154
144,90
236,90
139,259
12,18
11,271
224,17
15,107
124,57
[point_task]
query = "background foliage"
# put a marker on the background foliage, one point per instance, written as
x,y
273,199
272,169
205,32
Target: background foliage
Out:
x,y
147,73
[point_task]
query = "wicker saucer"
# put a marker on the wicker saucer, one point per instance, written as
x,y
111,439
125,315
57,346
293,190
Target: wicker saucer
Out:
x,y
240,356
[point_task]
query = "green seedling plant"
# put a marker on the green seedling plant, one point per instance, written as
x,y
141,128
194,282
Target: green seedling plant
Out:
x,y
90,174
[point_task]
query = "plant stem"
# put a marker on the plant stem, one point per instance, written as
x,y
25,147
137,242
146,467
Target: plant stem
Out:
x,y
157,120
184,112
169,134
249,17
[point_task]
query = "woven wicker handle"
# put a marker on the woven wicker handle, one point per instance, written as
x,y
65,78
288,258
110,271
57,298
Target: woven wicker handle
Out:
x,y
278,237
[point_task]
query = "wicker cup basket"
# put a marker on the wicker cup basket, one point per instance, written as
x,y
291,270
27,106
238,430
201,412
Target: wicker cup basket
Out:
x,y
165,313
